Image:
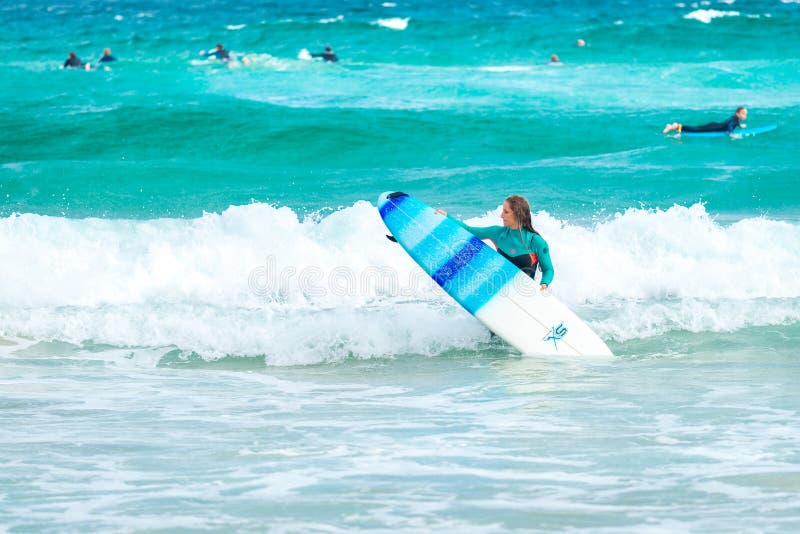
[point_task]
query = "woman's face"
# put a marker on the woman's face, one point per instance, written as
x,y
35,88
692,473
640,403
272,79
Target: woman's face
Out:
x,y
508,216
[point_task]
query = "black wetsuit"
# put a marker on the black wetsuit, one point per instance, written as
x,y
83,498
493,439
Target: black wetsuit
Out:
x,y
327,56
727,126
73,62
106,59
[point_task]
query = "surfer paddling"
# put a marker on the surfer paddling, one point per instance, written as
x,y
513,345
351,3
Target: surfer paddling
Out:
x,y
327,55
516,240
74,62
219,53
735,121
107,57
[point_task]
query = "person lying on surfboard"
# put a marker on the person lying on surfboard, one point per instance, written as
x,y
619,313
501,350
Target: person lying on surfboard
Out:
x,y
219,53
516,240
327,55
107,57
735,121
73,62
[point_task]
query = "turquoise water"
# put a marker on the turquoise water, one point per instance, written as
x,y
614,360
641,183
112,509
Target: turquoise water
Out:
x,y
202,326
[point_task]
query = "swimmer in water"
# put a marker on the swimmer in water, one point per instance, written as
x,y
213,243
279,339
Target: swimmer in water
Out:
x,y
107,57
74,62
219,53
327,55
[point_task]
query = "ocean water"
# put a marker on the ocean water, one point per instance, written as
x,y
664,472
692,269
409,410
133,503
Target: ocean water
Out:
x,y
203,327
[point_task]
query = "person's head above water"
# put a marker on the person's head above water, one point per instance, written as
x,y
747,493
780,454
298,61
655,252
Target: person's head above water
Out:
x,y
220,48
517,213
741,113
106,51
554,59
328,49
71,55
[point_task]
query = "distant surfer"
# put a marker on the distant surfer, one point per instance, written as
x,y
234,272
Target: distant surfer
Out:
x,y
554,60
735,121
327,55
107,57
219,53
74,62
516,240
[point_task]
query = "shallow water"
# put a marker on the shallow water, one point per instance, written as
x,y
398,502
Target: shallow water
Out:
x,y
480,440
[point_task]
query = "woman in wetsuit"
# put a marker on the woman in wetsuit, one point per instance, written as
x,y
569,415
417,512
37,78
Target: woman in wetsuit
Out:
x,y
516,240
728,126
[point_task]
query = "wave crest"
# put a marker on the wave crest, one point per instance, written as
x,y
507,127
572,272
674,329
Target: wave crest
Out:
x,y
260,280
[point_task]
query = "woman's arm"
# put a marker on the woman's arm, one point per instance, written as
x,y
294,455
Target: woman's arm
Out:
x,y
481,232
542,251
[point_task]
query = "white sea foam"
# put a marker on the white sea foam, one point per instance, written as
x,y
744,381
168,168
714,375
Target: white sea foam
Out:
x,y
234,27
509,68
338,18
395,23
257,280
268,62
707,15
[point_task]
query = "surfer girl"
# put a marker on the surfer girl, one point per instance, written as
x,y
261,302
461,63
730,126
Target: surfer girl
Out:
x,y
516,240
729,125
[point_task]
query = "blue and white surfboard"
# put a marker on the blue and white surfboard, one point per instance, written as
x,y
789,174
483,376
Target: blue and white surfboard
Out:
x,y
486,284
738,133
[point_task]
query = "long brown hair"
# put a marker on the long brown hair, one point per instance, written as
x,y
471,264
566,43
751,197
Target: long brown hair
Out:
x,y
522,212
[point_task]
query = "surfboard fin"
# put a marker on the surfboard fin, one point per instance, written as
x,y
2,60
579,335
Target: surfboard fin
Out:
x,y
391,238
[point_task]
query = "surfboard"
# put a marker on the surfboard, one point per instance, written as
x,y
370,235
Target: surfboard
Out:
x,y
506,300
739,133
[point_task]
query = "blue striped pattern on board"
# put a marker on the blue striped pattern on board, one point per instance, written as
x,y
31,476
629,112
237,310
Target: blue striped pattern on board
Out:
x,y
463,265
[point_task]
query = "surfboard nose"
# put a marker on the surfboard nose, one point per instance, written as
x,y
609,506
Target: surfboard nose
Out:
x,y
388,195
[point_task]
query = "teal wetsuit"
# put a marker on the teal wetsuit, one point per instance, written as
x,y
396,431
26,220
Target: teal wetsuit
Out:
x,y
524,254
